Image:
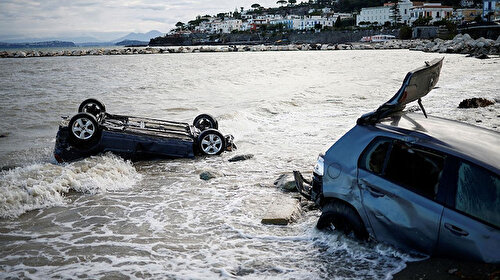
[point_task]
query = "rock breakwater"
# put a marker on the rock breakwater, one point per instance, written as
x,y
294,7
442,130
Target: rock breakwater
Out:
x,y
461,44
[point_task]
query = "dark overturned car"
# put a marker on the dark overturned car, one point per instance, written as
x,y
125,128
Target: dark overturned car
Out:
x,y
425,184
93,131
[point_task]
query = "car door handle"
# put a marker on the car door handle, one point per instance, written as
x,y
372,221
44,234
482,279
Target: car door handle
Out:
x,y
374,192
456,230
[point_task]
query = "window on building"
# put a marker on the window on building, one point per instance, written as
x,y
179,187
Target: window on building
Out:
x,y
478,193
437,15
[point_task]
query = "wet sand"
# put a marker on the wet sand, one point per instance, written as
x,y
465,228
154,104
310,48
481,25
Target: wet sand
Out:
x,y
440,268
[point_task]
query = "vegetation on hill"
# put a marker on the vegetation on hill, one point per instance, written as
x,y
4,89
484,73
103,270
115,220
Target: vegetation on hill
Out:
x,y
49,44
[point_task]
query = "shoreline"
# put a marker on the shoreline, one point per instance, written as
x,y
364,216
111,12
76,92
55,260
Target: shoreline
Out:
x,y
447,269
461,44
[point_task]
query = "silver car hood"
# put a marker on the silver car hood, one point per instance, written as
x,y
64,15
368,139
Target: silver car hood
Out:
x,y
417,84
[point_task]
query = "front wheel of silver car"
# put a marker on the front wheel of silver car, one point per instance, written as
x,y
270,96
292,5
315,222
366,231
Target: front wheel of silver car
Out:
x,y
344,218
83,128
211,142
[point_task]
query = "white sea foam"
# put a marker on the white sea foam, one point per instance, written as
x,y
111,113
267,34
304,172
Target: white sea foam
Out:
x,y
44,184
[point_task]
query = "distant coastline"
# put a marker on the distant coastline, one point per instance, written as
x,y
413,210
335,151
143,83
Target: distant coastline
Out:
x,y
37,45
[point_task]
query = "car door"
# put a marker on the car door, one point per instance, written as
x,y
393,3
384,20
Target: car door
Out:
x,y
470,227
399,185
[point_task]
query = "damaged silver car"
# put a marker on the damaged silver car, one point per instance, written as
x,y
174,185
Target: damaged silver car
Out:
x,y
420,183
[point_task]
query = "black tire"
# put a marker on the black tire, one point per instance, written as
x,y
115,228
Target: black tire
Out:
x,y
83,129
343,218
205,121
211,142
92,106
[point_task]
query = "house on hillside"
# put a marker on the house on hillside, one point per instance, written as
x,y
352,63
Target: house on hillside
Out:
x,y
491,10
382,14
466,14
435,11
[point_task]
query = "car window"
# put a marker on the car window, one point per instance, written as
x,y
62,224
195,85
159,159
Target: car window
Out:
x,y
374,157
415,168
478,193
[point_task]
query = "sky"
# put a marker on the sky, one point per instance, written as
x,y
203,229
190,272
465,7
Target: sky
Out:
x,y
104,20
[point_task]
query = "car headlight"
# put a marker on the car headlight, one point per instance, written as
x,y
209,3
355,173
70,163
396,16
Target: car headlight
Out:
x,y
320,166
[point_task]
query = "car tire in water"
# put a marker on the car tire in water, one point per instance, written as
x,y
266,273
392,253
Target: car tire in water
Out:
x,y
211,142
343,218
92,106
205,121
84,129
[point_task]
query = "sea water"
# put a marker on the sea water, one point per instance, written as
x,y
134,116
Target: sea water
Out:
x,y
106,217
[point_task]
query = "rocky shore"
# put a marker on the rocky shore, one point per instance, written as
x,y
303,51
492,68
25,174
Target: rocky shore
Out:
x,y
461,44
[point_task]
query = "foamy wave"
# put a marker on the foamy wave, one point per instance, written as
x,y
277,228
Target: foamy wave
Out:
x,y
43,185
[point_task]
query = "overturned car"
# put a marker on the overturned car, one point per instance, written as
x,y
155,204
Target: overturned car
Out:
x,y
94,131
425,184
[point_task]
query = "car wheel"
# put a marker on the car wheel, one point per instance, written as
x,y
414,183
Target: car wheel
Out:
x,y
92,106
343,218
83,128
211,142
205,121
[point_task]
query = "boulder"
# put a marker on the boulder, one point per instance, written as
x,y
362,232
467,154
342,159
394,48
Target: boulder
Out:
x,y
482,56
307,205
475,103
458,38
281,211
7,167
467,37
210,174
286,182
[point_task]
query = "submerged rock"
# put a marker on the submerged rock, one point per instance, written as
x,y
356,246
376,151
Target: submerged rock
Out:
x,y
282,211
286,182
475,103
482,56
241,157
210,174
8,167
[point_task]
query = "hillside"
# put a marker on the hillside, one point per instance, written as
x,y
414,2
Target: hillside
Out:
x,y
49,44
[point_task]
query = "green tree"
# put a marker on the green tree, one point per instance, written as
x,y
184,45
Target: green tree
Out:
x,y
338,22
405,32
292,2
255,6
395,14
281,2
479,19
422,21
179,25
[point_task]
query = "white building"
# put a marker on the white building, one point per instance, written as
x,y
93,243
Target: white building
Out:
x,y
382,14
434,10
490,11
229,25
216,25
287,21
310,22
